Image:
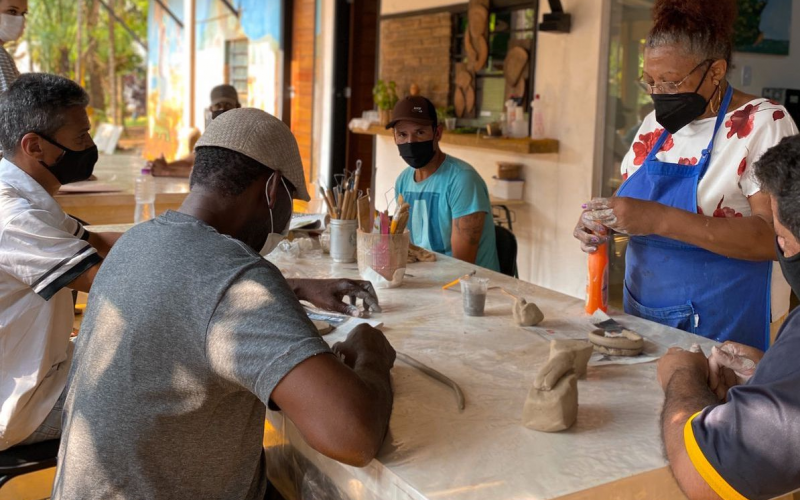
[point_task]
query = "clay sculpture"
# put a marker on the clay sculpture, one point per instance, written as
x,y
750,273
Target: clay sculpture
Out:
x,y
580,348
525,313
552,402
625,343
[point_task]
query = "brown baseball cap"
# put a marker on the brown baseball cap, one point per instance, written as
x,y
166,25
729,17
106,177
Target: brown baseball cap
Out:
x,y
224,93
414,108
262,137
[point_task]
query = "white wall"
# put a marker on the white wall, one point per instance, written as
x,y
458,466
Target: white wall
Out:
x,y
771,71
568,75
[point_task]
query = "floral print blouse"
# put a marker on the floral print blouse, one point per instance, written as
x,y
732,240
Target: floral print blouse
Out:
x,y
746,134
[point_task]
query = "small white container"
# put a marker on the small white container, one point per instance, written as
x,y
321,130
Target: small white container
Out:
x,y
507,189
343,240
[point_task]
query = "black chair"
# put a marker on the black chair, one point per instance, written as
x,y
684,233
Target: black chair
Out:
x,y
506,251
21,460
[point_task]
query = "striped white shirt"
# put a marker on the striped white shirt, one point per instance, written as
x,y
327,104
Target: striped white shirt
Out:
x,y
42,249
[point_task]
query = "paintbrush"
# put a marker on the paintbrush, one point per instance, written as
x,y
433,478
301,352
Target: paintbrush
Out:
x,y
458,280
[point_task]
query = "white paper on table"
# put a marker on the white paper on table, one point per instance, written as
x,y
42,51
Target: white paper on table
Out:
x,y
342,325
89,187
308,222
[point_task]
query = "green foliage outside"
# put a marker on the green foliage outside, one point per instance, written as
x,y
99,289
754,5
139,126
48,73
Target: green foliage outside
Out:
x,y
52,33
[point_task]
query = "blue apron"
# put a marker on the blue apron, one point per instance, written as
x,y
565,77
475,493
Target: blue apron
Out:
x,y
684,286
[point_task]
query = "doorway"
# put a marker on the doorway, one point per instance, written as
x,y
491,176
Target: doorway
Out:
x,y
355,69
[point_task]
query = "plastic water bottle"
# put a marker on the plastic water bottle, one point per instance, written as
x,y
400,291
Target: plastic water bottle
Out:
x,y
145,193
537,118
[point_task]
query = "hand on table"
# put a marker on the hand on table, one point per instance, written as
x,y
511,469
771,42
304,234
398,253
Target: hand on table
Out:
x,y
677,359
730,365
157,166
625,215
365,343
328,294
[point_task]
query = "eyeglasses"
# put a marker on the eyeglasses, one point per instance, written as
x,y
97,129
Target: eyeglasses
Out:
x,y
668,87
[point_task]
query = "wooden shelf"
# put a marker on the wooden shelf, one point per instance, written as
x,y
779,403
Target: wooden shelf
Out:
x,y
518,146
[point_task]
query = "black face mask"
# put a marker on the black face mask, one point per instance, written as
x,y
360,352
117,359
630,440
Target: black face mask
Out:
x,y
417,154
73,166
216,113
790,267
675,111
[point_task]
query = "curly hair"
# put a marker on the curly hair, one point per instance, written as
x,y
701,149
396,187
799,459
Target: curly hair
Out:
x,y
778,171
224,171
702,27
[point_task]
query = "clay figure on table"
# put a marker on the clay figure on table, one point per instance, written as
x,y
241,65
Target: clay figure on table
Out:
x,y
450,208
730,422
552,402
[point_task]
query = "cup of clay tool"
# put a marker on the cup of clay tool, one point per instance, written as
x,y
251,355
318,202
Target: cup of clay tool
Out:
x,y
382,258
473,293
343,240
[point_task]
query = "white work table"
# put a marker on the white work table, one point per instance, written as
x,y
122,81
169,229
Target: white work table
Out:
x,y
434,452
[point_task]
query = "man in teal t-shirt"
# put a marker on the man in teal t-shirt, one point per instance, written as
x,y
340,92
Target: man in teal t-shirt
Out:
x,y
450,209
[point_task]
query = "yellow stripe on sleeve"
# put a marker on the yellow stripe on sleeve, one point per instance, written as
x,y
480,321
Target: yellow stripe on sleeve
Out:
x,y
706,470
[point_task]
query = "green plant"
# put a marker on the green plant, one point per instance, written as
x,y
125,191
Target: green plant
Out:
x,y
385,96
444,113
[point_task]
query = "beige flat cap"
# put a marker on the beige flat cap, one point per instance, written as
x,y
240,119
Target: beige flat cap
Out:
x,y
262,137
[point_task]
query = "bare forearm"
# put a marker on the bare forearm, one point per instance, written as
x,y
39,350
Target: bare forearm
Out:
x,y
686,395
746,238
376,377
466,254
102,242
178,168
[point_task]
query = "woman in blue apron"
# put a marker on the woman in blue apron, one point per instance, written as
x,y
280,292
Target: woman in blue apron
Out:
x,y
702,244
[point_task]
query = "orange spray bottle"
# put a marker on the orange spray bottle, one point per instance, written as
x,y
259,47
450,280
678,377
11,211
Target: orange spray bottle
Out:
x,y
597,285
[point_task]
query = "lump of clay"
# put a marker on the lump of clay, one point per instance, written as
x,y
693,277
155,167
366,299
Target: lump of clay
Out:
x,y
323,327
554,410
553,371
527,313
627,343
552,403
581,349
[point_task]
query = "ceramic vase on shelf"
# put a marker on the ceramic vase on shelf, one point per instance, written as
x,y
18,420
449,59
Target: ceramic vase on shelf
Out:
x,y
386,116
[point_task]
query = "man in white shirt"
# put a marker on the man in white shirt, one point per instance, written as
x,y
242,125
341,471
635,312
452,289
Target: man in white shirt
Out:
x,y
44,253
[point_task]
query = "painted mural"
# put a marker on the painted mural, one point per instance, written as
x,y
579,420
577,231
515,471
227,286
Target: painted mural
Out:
x,y
764,26
165,83
259,24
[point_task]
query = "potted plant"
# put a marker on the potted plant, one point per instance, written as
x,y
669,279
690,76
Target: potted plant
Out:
x,y
385,97
447,117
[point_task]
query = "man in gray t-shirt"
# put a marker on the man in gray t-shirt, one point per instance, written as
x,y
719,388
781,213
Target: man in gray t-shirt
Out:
x,y
190,333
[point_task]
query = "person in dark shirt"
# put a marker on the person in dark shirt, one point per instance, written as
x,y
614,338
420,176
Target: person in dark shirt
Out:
x,y
731,424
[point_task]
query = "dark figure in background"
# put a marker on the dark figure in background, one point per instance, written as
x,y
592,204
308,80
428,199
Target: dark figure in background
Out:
x,y
223,98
